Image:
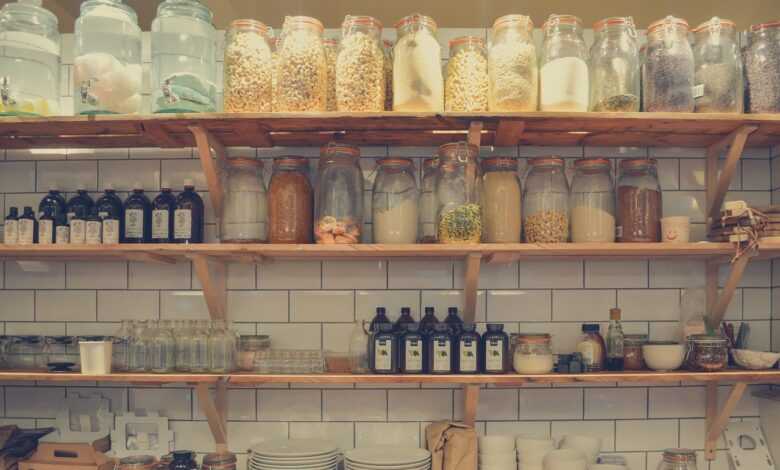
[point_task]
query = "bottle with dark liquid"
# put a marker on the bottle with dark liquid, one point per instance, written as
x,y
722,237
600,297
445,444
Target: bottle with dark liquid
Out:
x,y
163,208
404,320
428,321
467,356
94,228
379,319
47,226
56,201
453,321
110,208
80,201
383,352
28,227
615,341
189,217
412,354
495,350
440,350
138,217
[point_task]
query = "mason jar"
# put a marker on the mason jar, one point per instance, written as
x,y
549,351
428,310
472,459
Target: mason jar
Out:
x,y
564,65
395,202
245,212
459,214
248,68
360,66
533,354
29,60
107,74
428,206
592,201
501,200
466,83
707,353
302,73
639,203
418,83
546,201
718,78
762,61
512,66
678,459
614,66
290,202
669,67
339,196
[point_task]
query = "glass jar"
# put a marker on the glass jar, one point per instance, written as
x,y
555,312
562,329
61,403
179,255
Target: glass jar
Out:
x,y
707,353
199,346
248,347
633,357
678,459
29,60
614,66
512,66
718,78
183,336
533,354
501,200
762,63
107,74
27,353
161,358
274,41
466,83
62,352
339,196
669,67
388,50
121,350
290,202
418,84
184,61
249,68
302,71
592,201
222,348
360,66
138,347
564,65
331,54
395,202
245,213
428,206
546,201
459,213
639,203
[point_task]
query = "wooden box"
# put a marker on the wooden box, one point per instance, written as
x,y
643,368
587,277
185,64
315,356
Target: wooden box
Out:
x,y
61,456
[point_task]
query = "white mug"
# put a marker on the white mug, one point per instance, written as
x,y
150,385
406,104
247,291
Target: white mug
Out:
x,y
676,229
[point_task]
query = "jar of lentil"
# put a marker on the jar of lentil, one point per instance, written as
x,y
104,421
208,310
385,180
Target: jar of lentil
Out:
x,y
331,55
466,84
707,353
245,212
718,78
639,204
512,67
290,202
762,63
395,202
546,201
360,66
633,358
459,214
501,200
339,196
533,354
418,84
669,67
614,66
302,71
678,459
564,65
428,206
248,68
387,46
592,201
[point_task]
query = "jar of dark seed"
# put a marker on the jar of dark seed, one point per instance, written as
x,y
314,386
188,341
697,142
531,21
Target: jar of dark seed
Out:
x,y
614,66
707,353
762,65
668,70
718,79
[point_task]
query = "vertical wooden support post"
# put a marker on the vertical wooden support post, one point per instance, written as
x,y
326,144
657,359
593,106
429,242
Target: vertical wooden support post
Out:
x,y
508,133
206,142
718,418
475,133
470,285
221,403
213,416
213,278
470,403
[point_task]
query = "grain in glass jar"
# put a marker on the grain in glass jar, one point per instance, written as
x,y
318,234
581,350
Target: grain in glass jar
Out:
x,y
245,213
633,358
274,61
614,66
428,205
512,67
302,71
639,203
546,201
466,84
707,353
339,196
331,54
533,354
762,64
669,67
501,200
678,459
360,66
387,47
249,68
718,79
564,65
290,202
459,218
395,202
418,84
592,201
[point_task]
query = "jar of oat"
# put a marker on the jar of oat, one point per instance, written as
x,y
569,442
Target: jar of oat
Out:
x,y
428,206
466,85
395,202
512,67
762,63
290,202
719,76
639,204
245,213
614,66
501,200
387,46
564,65
360,66
592,201
546,201
339,196
248,68
302,71
418,84
274,61
331,53
669,69
459,214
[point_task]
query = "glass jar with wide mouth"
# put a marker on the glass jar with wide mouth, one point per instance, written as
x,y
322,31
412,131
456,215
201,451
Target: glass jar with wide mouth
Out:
x,y
302,71
395,202
245,212
290,201
501,200
633,357
429,208
331,47
614,66
339,196
533,354
29,60
466,83
27,353
639,202
107,73
512,66
564,66
678,459
718,77
249,68
546,201
669,67
387,47
418,84
762,64
459,215
62,351
707,353
592,201
360,66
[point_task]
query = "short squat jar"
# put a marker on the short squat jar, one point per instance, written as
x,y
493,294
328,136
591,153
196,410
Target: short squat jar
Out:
x,y
245,214
301,71
762,62
592,202
633,357
707,353
339,196
248,68
564,65
513,70
614,66
460,218
719,76
533,354
669,67
395,202
678,459
546,202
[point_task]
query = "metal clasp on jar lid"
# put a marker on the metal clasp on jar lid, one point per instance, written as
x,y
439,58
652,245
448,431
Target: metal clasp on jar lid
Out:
x,y
627,21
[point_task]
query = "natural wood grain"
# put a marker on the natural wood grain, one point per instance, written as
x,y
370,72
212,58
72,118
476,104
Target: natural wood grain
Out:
x,y
717,423
213,416
470,285
736,143
470,404
212,275
718,311
508,133
211,169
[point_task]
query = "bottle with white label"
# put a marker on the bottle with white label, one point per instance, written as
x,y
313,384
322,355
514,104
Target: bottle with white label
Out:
x,y
80,201
78,228
163,208
47,227
138,218
56,202
111,229
440,357
28,227
188,218
412,350
94,234
383,353
495,350
109,207
467,357
62,237
11,227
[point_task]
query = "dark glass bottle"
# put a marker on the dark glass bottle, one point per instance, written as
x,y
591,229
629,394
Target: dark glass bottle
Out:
x,y
468,358
94,228
56,201
11,227
615,341
404,319
189,217
28,227
495,350
78,228
379,319
62,234
440,357
412,350
163,208
80,200
383,352
183,460
111,230
138,218
110,207
47,226
453,321
428,321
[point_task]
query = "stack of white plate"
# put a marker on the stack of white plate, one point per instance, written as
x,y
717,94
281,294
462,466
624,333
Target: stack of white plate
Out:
x,y
387,458
294,454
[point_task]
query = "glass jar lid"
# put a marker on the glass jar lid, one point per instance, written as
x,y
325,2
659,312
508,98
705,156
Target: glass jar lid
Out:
x,y
711,340
638,163
669,21
499,164
251,25
714,25
762,26
361,20
244,162
395,162
514,20
191,8
291,162
627,21
467,41
457,152
557,20
418,20
546,161
294,21
679,455
108,8
30,12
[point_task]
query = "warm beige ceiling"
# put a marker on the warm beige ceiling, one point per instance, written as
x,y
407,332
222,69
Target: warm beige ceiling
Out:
x,y
455,13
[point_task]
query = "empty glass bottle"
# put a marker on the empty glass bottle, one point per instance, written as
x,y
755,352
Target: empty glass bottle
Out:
x,y
222,348
614,66
162,348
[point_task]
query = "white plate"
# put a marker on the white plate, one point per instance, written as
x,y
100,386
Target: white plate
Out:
x,y
387,456
307,467
318,463
294,448
416,467
325,458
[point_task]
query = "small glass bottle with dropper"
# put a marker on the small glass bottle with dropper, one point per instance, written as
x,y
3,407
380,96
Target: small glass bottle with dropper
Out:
x,y
615,341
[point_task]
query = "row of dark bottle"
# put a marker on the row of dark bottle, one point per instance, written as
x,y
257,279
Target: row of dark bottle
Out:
x,y
431,347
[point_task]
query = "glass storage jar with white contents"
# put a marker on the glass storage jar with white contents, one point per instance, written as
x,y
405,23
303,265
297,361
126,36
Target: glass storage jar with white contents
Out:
x,y
614,66
501,200
512,66
301,71
418,83
564,65
395,202
29,60
669,69
184,61
762,64
360,66
107,72
458,188
245,213
249,68
466,83
338,199
718,78
428,205
592,201
546,201
533,354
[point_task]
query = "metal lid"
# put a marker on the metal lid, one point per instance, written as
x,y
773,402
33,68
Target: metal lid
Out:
x,y
508,20
591,328
614,21
546,161
634,163
708,339
417,18
244,162
668,21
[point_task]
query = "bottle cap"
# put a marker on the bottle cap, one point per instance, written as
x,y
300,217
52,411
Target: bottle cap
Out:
x,y
429,310
469,327
380,310
14,211
406,311
614,314
591,328
495,327
28,208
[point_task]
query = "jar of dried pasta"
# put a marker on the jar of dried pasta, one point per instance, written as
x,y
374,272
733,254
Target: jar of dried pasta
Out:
x,y
360,66
466,85
302,72
248,68
512,65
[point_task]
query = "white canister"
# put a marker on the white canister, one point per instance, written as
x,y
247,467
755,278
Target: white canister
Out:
x,y
95,356
676,229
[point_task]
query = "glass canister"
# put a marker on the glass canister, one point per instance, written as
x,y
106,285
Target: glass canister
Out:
x,y
546,201
302,71
245,213
339,196
395,202
249,68
428,206
718,78
762,64
501,200
669,67
639,202
592,201
564,65
29,60
459,213
161,358
62,352
360,66
614,66
248,347
387,46
633,357
184,60
331,55
107,72
678,459
418,84
512,66
533,354
707,353
222,348
466,83
290,202
27,353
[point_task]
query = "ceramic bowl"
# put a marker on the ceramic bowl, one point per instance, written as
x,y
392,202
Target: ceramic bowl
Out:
x,y
565,459
587,445
755,360
663,356
605,466
531,451
496,444
500,459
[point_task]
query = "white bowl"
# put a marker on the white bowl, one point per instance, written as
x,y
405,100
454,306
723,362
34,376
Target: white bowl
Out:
x,y
663,356
565,459
496,444
498,459
587,445
755,360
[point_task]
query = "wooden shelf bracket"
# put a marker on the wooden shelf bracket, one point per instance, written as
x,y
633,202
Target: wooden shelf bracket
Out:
x,y
475,133
717,187
213,279
215,409
206,142
717,416
509,132
470,286
717,304
470,404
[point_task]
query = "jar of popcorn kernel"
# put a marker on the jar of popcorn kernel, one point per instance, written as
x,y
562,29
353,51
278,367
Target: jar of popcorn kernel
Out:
x,y
466,85
248,68
302,72
331,53
360,75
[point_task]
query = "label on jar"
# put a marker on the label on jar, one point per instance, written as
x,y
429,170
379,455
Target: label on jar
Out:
x,y
468,356
698,91
94,230
589,351
182,224
46,232
11,232
134,223
160,227
383,355
442,356
413,356
63,235
26,231
78,232
110,232
494,356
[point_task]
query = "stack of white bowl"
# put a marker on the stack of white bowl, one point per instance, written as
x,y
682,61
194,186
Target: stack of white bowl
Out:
x,y
299,454
497,453
588,446
531,452
387,458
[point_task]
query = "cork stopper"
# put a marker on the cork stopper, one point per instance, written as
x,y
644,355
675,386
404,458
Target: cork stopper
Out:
x,y
614,314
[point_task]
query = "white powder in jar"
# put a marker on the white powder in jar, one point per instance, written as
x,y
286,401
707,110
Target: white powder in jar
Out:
x,y
418,83
397,224
533,363
501,205
245,217
565,85
592,224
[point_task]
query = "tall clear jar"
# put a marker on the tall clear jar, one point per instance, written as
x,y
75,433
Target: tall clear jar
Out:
x,y
222,348
183,335
107,72
546,201
512,65
245,212
458,188
678,459
762,63
395,202
360,66
501,201
290,202
428,206
592,201
302,71
184,58
669,67
466,83
138,346
161,358
249,68
339,196
614,66
719,76
120,354
564,65
387,46
200,355
639,203
29,60
418,83
331,55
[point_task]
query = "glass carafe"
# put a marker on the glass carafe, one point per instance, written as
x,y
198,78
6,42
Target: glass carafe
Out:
x,y
546,201
290,202
564,66
592,201
762,62
162,348
669,69
719,75
428,205
639,202
418,83
222,348
249,68
501,200
302,74
360,74
512,66
395,202
466,83
339,196
459,214
614,66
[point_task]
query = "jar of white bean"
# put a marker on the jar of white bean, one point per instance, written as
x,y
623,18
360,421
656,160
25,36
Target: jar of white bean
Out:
x,y
248,68
301,71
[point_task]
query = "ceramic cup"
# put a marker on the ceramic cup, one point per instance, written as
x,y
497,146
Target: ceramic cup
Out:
x,y
498,459
496,444
676,229
95,357
565,459
589,446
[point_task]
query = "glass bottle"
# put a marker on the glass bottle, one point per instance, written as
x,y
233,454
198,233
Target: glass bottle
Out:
x,y
47,227
453,321
339,196
138,217
249,69
459,214
93,233
199,355
403,320
669,67
592,348
109,207
387,47
428,321
564,79
11,227
184,60
678,459
358,349
189,217
614,66
331,47
512,65
466,80
139,347
120,355
418,83
546,201
111,231
428,204
383,354
56,201
107,73
495,350
162,348
221,348
28,227
467,357
501,200
78,228
762,61
163,208
290,202
80,200
379,319
639,202
360,66
245,214
412,355
718,77
183,460
615,341
440,350
395,202
301,73
592,201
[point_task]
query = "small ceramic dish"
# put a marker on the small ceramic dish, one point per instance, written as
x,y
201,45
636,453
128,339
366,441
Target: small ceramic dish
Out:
x,y
755,360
